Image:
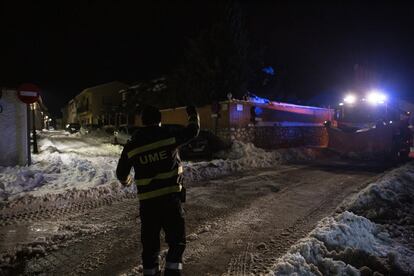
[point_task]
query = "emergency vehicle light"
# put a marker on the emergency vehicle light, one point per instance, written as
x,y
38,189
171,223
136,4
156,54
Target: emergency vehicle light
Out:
x,y
376,97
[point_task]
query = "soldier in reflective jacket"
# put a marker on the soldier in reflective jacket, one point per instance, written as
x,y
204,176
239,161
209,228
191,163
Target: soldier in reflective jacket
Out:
x,y
153,152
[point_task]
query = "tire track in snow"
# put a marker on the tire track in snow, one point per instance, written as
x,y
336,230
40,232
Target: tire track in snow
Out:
x,y
249,241
48,210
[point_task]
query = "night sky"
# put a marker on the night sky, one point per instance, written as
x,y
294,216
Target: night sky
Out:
x,y
312,46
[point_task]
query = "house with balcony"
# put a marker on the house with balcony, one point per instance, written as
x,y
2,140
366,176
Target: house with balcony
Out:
x,y
95,105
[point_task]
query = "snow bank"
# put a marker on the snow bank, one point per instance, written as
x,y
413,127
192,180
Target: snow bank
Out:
x,y
350,244
392,197
346,245
67,163
242,157
308,257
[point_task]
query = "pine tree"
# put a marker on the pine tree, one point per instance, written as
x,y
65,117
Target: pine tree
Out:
x,y
216,62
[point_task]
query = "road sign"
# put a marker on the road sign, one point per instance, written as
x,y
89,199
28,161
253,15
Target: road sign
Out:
x,y
28,93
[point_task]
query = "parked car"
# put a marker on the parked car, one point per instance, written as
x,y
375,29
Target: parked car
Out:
x,y
85,129
72,127
123,134
203,146
109,129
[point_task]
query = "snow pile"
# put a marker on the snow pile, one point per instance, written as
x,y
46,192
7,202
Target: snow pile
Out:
x,y
350,230
349,244
242,157
240,150
65,162
392,197
346,245
309,257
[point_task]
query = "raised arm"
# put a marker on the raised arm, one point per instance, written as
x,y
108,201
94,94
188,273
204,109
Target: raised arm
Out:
x,y
192,129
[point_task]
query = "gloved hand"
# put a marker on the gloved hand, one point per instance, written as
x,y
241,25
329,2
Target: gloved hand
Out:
x,y
191,110
128,181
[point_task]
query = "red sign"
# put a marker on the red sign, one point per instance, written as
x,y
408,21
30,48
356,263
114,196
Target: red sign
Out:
x,y
28,93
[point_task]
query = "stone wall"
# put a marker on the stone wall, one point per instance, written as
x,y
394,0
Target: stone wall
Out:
x,y
245,135
277,137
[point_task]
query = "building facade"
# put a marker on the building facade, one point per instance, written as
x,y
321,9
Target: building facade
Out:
x,y
96,105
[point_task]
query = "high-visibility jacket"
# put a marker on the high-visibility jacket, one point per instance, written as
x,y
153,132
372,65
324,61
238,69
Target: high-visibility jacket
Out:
x,y
153,153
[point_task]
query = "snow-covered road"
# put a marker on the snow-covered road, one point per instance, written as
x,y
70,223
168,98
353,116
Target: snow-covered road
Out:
x,y
67,214
237,224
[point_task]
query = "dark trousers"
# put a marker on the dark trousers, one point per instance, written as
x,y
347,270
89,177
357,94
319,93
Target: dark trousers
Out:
x,y
162,213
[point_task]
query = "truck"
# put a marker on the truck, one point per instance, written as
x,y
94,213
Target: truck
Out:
x,y
371,128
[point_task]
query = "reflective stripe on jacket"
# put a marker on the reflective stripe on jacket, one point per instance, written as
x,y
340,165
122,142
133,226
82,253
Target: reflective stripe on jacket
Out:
x,y
153,153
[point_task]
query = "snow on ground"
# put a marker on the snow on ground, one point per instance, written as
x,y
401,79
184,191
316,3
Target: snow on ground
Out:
x,y
390,198
242,157
65,162
74,165
351,244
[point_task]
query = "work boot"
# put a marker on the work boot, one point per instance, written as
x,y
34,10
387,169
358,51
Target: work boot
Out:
x,y
172,272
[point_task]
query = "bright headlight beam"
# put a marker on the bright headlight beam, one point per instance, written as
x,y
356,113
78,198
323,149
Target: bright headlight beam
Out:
x,y
350,99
